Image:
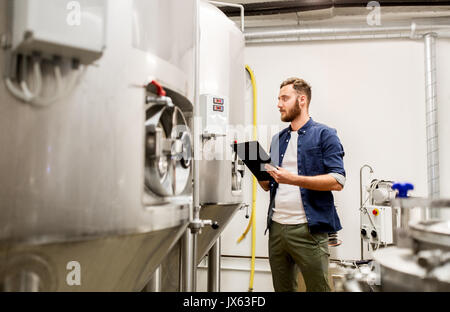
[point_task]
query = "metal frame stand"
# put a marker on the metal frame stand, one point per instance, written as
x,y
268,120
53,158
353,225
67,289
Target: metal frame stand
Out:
x,y
214,263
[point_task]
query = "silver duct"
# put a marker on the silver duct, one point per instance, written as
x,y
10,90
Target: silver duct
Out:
x,y
414,29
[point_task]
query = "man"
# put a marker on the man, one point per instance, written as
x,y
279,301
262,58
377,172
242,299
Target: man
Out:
x,y
301,210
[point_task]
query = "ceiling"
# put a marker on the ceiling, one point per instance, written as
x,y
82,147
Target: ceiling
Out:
x,y
287,12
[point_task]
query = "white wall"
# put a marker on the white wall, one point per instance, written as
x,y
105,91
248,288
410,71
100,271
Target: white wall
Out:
x,y
373,93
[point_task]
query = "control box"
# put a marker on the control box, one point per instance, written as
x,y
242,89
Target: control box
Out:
x,y
215,114
69,29
376,225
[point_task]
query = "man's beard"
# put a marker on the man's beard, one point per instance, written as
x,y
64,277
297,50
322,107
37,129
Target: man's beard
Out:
x,y
293,113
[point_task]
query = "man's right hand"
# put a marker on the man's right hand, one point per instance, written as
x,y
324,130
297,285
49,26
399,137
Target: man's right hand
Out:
x,y
264,185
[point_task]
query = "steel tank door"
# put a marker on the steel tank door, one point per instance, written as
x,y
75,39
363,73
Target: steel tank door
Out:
x,y
168,151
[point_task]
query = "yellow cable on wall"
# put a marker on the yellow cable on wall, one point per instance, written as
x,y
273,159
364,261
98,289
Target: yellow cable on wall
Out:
x,y
252,221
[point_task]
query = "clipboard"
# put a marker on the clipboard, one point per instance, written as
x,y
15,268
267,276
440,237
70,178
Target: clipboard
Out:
x,y
255,158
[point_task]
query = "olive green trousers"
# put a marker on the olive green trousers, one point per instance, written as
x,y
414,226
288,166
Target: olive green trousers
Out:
x,y
293,247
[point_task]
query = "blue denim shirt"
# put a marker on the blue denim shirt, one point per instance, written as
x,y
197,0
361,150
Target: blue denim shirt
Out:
x,y
319,152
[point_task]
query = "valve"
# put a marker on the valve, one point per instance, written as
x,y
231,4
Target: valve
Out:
x,y
208,136
431,259
403,189
158,146
237,173
185,155
245,206
197,225
172,147
160,90
161,97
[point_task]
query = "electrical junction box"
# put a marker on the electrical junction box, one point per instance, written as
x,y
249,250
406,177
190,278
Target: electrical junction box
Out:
x,y
215,114
376,226
69,29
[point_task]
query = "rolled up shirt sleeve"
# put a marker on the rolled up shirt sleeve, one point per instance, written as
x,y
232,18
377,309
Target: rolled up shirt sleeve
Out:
x,y
333,153
339,178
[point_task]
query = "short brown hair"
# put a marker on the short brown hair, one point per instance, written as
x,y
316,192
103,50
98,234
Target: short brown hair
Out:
x,y
300,85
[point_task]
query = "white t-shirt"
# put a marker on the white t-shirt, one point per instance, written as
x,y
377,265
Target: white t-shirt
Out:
x,y
288,201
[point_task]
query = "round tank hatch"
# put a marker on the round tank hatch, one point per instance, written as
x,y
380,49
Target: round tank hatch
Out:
x,y
435,232
168,150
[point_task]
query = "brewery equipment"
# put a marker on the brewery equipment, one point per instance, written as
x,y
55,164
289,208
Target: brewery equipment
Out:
x,y
420,258
222,92
95,132
420,261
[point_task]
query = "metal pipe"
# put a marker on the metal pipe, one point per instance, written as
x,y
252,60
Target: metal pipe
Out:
x,y
241,7
361,203
194,261
214,261
260,8
186,263
154,285
181,266
431,122
401,234
197,116
192,254
196,224
413,29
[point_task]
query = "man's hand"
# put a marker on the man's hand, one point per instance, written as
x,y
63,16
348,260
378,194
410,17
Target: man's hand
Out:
x,y
316,183
280,175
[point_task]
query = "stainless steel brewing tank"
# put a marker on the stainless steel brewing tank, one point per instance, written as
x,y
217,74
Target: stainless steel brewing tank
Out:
x,y
222,73
72,182
423,262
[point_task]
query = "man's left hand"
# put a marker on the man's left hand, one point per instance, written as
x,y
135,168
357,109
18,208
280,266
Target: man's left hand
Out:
x,y
282,176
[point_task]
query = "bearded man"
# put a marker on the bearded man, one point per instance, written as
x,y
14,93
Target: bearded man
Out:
x,y
301,210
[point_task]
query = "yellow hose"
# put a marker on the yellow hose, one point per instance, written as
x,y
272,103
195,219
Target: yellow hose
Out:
x,y
252,221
